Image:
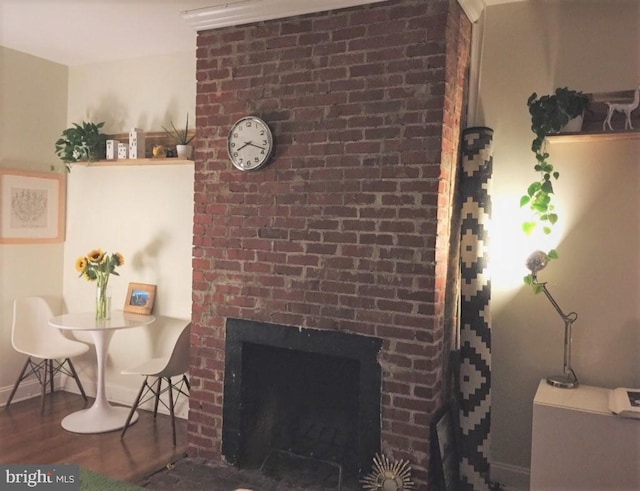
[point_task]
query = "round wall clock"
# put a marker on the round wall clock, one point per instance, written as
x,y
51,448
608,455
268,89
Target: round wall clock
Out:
x,y
250,143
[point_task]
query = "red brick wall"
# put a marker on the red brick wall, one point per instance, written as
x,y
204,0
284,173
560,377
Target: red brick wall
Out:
x,y
347,228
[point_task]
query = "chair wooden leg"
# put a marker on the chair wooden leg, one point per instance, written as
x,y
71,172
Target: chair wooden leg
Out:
x,y
155,406
186,382
173,418
76,378
15,386
133,408
51,375
43,382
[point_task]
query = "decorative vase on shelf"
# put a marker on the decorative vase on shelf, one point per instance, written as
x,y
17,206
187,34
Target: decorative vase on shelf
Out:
x,y
574,125
184,151
103,298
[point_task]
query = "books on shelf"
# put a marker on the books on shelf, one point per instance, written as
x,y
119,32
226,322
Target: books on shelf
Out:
x,y
625,402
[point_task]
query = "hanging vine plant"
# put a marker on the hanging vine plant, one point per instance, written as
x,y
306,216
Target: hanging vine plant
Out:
x,y
81,143
549,115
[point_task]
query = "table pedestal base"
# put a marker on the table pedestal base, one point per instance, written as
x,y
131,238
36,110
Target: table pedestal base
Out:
x,y
98,419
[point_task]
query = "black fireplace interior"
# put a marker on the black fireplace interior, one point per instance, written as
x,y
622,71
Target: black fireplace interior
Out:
x,y
301,393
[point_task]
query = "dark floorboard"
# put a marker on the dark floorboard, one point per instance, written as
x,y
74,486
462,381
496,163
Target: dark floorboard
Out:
x,y
27,437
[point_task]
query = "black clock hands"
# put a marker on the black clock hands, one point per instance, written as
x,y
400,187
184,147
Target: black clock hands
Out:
x,y
249,143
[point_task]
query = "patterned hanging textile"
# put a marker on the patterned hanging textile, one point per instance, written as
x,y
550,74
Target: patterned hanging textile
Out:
x,y
475,318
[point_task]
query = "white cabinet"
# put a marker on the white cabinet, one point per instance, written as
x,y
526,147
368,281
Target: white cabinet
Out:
x,y
578,444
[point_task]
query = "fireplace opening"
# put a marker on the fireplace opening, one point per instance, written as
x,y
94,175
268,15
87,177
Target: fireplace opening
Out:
x,y
300,403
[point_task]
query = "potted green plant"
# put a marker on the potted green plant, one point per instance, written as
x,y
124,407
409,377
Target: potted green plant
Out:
x,y
182,139
81,143
549,115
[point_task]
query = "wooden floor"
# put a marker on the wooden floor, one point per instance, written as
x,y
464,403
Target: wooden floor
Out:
x,y
26,437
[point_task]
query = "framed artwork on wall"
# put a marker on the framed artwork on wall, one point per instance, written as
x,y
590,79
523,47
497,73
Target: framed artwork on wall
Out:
x,y
139,299
31,207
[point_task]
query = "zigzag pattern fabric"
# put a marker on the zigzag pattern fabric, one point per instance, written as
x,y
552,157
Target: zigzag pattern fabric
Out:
x,y
475,319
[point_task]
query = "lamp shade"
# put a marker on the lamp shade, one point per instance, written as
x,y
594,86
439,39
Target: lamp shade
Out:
x,y
536,261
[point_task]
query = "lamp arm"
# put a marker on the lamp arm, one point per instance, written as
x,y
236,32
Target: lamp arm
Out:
x,y
569,318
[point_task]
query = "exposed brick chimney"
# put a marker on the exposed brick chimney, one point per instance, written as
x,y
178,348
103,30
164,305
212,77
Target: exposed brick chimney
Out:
x,y
348,227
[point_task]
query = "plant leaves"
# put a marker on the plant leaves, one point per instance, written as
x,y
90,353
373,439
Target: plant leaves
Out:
x,y
533,188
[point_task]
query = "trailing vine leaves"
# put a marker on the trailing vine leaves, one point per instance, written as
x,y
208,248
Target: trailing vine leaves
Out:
x,y
549,114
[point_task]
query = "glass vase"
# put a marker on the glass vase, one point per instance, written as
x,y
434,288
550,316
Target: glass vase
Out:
x,y
103,301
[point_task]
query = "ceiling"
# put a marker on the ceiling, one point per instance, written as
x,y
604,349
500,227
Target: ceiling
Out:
x,y
76,32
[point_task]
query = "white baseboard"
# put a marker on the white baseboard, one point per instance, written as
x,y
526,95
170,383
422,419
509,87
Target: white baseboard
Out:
x,y
510,477
118,395
125,396
26,390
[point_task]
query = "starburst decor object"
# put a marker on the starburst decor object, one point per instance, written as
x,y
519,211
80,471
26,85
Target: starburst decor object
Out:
x,y
388,476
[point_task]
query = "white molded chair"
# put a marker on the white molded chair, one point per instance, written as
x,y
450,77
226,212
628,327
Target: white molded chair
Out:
x,y
171,361
43,344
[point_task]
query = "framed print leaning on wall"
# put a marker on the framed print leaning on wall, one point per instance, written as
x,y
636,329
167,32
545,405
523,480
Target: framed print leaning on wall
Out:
x,y
31,207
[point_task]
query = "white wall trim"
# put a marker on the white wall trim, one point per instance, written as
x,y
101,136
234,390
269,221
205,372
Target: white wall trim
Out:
x,y
473,8
240,12
26,390
511,477
247,11
125,396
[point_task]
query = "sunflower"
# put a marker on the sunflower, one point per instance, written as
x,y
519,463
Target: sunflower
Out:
x,y
81,264
118,259
96,256
97,265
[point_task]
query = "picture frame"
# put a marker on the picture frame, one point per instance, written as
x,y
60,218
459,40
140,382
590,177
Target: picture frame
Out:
x,y
32,207
444,449
140,298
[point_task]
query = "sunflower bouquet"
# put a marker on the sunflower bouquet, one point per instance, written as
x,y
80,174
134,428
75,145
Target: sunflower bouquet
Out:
x,y
98,266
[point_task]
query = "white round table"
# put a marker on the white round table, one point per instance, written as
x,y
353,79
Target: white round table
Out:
x,y
101,416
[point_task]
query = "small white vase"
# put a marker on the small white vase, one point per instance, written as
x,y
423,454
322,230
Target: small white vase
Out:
x,y
574,125
184,151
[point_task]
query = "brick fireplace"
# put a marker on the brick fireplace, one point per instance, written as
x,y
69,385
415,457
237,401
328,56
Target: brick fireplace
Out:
x,y
347,230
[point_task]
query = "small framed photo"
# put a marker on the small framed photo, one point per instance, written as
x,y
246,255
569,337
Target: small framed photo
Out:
x,y
139,299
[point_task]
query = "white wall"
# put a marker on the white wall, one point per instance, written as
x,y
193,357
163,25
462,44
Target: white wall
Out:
x,y
142,93
33,107
537,46
144,212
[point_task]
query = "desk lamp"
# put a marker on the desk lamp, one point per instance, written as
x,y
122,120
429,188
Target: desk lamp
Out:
x,y
568,380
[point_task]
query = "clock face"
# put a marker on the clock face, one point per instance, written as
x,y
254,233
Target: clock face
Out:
x,y
250,143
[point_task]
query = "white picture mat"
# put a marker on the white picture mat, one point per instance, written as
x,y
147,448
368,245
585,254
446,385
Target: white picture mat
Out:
x,y
30,207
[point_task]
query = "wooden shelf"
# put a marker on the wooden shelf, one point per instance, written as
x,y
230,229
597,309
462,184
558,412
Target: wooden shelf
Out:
x,y
594,117
594,137
130,162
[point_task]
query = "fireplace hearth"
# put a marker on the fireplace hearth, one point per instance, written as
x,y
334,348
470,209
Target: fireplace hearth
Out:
x,y
300,398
